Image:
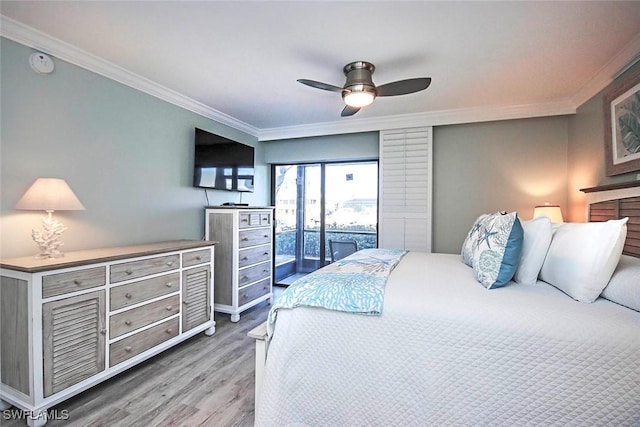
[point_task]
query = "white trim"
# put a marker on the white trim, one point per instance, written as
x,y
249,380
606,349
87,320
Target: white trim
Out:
x,y
30,37
628,56
433,118
603,196
259,333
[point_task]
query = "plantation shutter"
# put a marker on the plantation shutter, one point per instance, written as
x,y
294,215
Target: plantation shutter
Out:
x,y
406,165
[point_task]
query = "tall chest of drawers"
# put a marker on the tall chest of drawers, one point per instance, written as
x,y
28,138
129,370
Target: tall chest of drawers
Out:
x,y
244,258
69,323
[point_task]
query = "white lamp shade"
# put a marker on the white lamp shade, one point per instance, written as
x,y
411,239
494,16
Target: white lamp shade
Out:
x,y
552,211
49,194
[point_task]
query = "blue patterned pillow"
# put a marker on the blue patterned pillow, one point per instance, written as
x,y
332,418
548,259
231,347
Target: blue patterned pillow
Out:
x,y
472,237
497,249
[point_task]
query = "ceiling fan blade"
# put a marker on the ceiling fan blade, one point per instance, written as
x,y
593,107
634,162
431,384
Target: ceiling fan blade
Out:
x,y
403,87
320,85
349,111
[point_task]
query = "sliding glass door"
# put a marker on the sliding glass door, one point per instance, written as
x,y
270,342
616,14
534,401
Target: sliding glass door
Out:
x,y
319,202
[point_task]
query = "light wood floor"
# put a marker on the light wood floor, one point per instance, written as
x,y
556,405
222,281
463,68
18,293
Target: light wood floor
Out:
x,y
204,381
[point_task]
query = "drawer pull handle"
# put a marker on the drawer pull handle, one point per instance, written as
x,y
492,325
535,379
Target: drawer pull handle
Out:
x,y
265,219
127,322
127,349
169,307
169,284
245,296
169,330
128,272
265,271
127,296
244,278
244,220
185,302
245,258
264,288
103,332
77,282
245,239
169,263
266,235
199,258
266,253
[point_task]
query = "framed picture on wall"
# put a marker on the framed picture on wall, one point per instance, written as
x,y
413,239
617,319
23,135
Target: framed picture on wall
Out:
x,y
622,126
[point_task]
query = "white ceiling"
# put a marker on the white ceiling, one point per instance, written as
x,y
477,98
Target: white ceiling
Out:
x,y
240,60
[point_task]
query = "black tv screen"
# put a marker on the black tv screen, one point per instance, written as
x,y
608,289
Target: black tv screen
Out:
x,y
221,163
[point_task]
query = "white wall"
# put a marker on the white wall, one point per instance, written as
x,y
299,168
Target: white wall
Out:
x,y
127,155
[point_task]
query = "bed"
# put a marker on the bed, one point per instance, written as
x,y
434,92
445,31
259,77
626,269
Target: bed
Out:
x,y
447,351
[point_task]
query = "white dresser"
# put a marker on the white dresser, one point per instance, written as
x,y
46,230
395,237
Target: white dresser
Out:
x,y
69,323
244,256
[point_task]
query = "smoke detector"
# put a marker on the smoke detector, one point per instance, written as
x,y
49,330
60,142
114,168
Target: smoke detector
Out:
x,y
41,63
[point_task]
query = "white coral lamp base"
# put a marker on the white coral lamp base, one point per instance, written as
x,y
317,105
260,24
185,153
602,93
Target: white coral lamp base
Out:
x,y
49,240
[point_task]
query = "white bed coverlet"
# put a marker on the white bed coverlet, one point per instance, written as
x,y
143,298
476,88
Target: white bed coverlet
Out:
x,y
447,351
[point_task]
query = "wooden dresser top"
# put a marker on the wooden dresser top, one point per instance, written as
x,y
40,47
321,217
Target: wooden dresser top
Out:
x,y
78,258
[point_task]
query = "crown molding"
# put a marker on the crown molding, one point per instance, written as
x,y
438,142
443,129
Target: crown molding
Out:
x,y
629,55
30,37
43,42
433,118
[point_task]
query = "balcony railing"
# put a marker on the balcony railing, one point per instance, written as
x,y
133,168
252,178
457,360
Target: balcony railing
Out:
x,y
286,241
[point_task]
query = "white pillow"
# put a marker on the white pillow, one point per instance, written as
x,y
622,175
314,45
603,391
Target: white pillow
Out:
x,y
537,238
624,286
582,257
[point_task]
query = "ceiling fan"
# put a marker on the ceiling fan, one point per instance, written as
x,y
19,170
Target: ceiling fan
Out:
x,y
359,90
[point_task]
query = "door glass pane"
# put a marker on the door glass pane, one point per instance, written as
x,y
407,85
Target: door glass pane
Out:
x,y
351,204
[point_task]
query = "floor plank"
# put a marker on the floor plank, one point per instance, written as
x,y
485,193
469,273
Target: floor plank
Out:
x,y
204,381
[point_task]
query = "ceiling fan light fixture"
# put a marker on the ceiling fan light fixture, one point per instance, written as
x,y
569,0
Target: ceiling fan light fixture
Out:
x,y
360,91
359,97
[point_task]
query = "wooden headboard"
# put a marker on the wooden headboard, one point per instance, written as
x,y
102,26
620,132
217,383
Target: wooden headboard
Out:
x,y
620,208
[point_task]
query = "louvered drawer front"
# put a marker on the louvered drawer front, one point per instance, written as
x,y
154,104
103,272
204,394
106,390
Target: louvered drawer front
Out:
x,y
196,297
145,267
252,274
195,258
256,237
250,219
254,255
73,339
142,341
133,293
265,218
62,283
147,314
252,292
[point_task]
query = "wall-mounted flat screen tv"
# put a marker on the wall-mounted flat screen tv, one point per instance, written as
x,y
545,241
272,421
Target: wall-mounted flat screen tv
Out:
x,y
221,163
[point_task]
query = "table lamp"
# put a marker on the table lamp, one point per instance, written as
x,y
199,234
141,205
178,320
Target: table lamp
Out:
x,y
552,211
49,194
